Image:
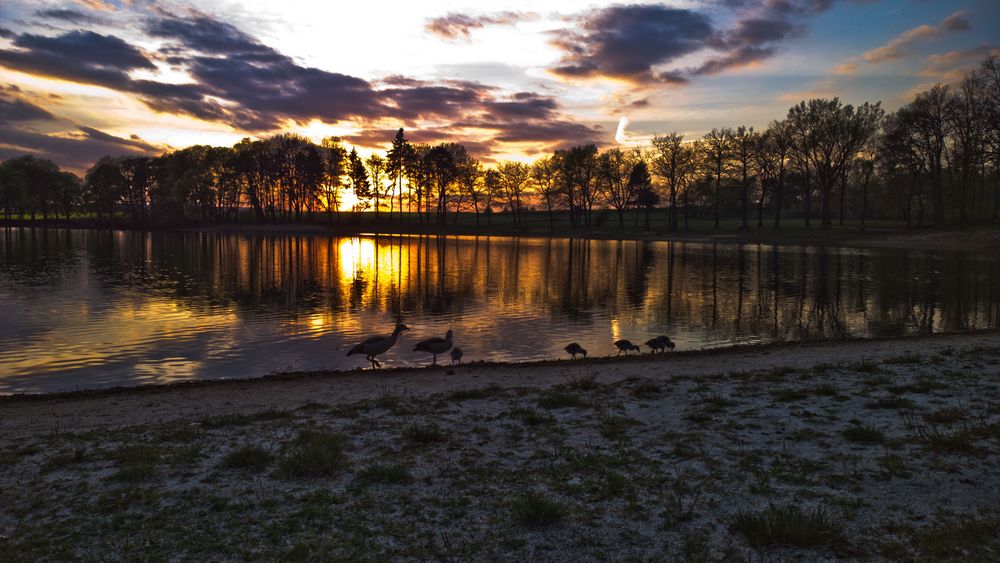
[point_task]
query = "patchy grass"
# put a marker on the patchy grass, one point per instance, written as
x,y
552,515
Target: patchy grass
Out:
x,y
313,453
222,421
583,383
424,434
646,390
249,457
863,434
890,402
558,399
380,473
537,510
789,525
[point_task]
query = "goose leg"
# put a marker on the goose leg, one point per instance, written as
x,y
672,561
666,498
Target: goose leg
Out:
x,y
435,362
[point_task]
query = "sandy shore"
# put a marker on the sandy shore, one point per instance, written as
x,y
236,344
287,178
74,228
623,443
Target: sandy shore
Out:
x,y
884,450
33,414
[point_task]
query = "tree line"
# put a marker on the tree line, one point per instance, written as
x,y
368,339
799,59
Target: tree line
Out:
x,y
934,161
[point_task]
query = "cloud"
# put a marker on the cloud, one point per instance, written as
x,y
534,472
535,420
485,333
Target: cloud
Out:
x,y
740,57
77,56
634,42
15,109
239,81
455,25
68,15
900,45
75,150
626,42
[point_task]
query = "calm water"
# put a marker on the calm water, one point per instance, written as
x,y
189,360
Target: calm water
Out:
x,y
83,309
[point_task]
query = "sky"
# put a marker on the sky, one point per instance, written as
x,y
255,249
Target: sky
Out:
x,y
513,80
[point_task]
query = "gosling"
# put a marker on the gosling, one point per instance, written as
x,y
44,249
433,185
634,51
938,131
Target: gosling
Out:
x,y
626,346
573,349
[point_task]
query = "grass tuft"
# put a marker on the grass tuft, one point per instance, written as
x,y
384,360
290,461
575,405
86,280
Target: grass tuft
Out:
x,y
250,456
314,453
789,525
384,474
424,434
863,434
536,510
556,399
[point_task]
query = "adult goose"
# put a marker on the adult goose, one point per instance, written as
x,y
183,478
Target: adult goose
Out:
x,y
435,345
625,345
573,349
375,345
660,343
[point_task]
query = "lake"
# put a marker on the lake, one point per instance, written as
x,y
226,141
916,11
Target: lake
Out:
x,y
86,308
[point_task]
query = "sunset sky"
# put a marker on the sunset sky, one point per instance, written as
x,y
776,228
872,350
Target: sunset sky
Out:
x,y
94,77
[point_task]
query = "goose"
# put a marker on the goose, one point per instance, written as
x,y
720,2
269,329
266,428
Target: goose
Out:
x,y
456,355
435,345
375,345
573,349
660,343
625,345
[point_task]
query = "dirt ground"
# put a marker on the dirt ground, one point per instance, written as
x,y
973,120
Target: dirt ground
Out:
x,y
851,450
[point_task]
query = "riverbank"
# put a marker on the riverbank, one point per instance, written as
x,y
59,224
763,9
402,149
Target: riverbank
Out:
x,y
883,449
876,235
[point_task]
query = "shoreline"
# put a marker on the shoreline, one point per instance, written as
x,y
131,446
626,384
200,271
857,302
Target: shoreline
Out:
x,y
292,388
409,371
860,450
926,238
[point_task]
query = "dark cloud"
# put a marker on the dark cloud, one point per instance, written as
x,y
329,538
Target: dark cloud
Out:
x,y
76,151
78,56
241,82
6,33
16,109
67,14
736,58
459,26
626,42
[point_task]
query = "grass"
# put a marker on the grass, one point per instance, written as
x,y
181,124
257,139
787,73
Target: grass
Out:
x,y
646,390
313,453
384,474
424,434
789,525
863,434
615,428
135,463
537,510
969,537
582,383
789,395
487,392
890,402
250,456
222,421
557,399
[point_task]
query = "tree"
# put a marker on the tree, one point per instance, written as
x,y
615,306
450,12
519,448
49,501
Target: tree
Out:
x,y
334,167
396,161
717,147
493,188
673,162
470,180
358,175
641,184
514,178
104,185
376,172
743,139
614,167
545,174
829,134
